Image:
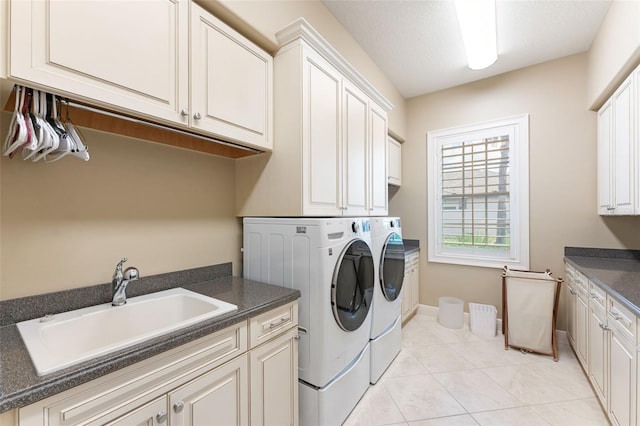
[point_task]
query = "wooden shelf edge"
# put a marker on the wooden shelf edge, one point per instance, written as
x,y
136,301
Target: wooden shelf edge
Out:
x,y
121,126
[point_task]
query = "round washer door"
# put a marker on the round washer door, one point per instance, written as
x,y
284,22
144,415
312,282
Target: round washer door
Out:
x,y
392,267
352,285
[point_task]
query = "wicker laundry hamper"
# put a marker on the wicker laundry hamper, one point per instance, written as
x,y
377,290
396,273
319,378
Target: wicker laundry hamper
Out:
x,y
529,311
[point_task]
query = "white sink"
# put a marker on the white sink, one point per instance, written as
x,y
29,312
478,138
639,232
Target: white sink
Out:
x,y
62,340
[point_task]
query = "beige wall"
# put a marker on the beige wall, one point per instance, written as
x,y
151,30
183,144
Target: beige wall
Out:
x,y
266,17
67,224
614,52
562,172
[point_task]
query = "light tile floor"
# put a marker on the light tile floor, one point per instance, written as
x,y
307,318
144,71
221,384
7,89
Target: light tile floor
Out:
x,y
446,377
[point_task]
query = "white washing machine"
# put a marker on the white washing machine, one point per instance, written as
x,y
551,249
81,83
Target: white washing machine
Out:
x,y
330,261
386,325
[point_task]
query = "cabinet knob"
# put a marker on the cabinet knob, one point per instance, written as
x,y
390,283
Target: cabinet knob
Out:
x,y
197,116
184,112
161,417
178,406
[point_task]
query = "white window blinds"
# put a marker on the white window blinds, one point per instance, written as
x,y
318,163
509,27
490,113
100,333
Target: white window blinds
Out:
x,y
478,191
475,193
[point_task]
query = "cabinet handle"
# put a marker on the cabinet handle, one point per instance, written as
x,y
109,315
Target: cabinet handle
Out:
x,y
602,326
184,112
197,116
178,406
572,291
161,417
611,208
279,323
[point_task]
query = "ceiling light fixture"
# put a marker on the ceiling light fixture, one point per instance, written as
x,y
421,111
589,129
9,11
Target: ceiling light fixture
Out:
x,y
477,19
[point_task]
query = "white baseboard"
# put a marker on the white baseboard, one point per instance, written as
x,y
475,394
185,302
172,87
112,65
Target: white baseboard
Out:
x,y
432,311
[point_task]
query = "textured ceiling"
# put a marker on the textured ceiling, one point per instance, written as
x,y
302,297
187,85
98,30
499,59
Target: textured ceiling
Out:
x,y
418,45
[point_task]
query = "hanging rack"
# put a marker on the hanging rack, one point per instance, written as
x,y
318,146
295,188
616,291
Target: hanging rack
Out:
x,y
85,116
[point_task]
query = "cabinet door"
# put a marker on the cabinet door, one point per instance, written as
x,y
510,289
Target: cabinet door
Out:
x,y
153,413
231,83
582,330
355,109
605,182
274,381
622,379
415,286
406,295
571,313
394,162
598,351
219,397
321,137
378,162
130,56
623,154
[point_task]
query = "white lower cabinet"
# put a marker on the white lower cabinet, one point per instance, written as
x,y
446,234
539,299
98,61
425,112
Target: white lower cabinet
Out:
x,y
598,350
411,286
606,344
274,382
582,321
151,413
219,397
622,379
225,378
571,296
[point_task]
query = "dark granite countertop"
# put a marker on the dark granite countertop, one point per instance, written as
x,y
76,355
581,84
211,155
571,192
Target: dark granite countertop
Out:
x,y
20,386
411,246
616,271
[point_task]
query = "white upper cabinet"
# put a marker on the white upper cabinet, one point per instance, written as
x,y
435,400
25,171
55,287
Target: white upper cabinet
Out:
x,y
330,127
378,201
131,55
394,162
355,144
231,82
320,137
619,150
152,59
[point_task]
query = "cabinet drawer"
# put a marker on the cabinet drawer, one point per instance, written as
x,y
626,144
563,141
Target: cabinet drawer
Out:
x,y
581,285
621,317
113,395
570,272
598,297
270,324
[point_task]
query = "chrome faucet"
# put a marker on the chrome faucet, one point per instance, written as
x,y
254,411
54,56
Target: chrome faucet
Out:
x,y
120,282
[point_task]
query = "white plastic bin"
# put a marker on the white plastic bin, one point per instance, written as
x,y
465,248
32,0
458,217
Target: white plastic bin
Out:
x,y
482,319
451,312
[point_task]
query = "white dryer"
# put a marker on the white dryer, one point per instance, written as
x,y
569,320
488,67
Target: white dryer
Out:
x,y
330,261
388,254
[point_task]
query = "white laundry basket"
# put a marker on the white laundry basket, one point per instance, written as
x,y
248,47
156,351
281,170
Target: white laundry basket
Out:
x,y
451,312
482,319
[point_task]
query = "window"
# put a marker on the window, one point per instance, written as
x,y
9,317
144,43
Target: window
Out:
x,y
478,193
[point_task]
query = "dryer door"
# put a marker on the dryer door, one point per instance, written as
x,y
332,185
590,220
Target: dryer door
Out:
x,y
392,267
352,285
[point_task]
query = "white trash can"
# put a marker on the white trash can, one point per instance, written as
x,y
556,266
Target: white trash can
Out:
x,y
451,312
482,319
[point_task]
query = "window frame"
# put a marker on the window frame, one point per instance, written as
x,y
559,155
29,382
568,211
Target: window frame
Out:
x,y
518,130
